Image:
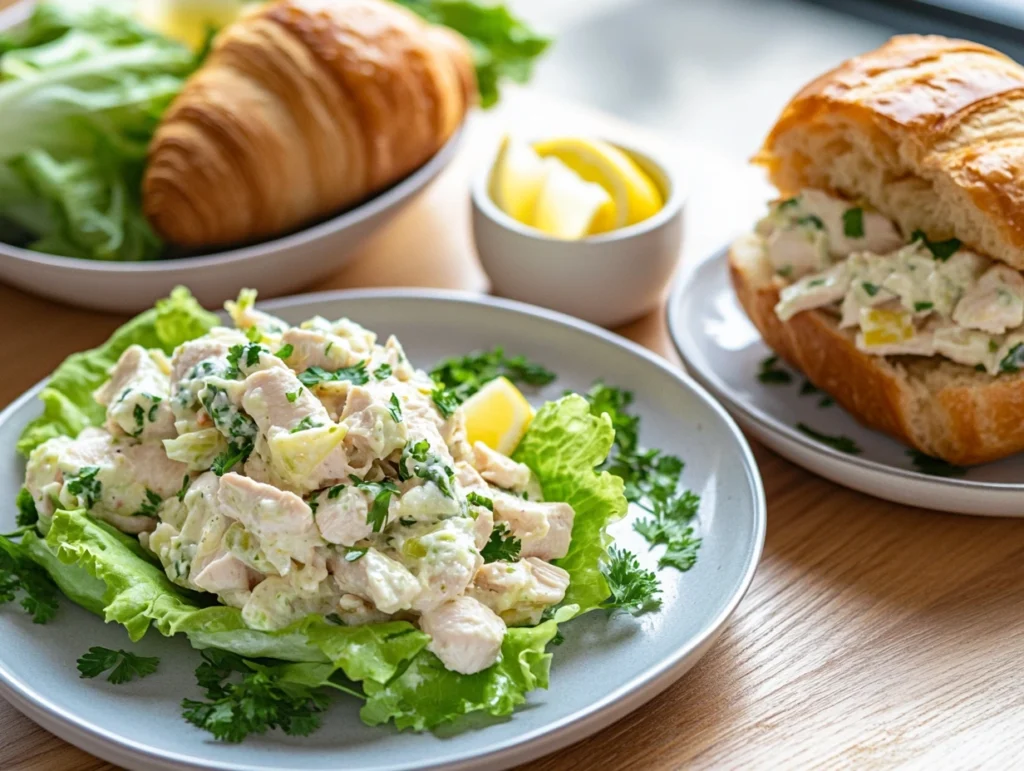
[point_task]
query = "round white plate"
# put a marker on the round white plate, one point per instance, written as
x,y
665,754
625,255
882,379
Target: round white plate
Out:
x,y
724,351
275,267
606,667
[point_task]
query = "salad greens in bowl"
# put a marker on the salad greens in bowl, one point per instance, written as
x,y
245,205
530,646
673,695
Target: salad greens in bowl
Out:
x,y
315,515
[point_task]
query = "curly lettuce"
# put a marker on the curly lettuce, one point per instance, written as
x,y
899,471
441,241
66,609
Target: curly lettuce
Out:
x,y
68,406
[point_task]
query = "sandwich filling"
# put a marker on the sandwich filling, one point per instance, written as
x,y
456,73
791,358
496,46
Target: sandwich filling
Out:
x,y
903,295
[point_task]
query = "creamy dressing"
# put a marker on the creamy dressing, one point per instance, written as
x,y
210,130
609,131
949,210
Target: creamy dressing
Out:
x,y
920,298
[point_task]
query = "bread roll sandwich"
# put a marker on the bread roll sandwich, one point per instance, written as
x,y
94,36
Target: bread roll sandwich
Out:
x,y
303,107
889,269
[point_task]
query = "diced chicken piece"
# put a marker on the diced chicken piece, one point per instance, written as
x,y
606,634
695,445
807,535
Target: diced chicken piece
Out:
x,y
500,470
355,611
465,634
281,520
228,577
266,399
453,432
444,561
386,583
952,277
278,601
544,528
137,396
797,251
341,515
422,502
43,477
371,431
359,338
519,592
868,274
967,346
814,291
483,525
317,348
212,347
995,303
401,368
842,221
469,478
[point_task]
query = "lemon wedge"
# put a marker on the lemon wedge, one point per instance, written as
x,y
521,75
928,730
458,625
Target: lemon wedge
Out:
x,y
188,21
635,195
567,207
516,180
497,415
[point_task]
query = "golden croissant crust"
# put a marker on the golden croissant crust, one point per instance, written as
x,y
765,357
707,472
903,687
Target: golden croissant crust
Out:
x,y
303,108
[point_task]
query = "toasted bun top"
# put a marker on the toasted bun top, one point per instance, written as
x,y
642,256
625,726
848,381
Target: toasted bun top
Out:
x,y
928,130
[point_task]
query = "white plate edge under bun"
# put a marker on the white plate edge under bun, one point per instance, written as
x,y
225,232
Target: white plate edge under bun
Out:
x,y
573,727
693,291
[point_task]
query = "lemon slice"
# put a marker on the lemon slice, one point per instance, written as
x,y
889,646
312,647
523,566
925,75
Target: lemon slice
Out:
x,y
568,207
635,195
497,415
516,180
188,21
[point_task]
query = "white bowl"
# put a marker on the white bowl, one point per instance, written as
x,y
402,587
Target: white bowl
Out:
x,y
607,279
276,267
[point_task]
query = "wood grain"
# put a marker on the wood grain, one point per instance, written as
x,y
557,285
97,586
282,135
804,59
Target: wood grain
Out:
x,y
874,635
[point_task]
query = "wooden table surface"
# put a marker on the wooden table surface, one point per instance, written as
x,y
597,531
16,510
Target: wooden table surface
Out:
x,y
874,635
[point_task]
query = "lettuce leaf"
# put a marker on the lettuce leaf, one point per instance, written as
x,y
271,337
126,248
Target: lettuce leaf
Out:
x,y
563,446
426,694
82,89
109,573
68,406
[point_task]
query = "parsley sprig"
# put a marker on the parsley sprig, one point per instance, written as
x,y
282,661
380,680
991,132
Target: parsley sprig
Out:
x,y
634,589
244,697
460,377
20,576
381,492
502,545
652,481
123,665
314,376
840,443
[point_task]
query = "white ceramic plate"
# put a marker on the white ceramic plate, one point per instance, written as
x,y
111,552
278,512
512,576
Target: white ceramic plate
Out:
x,y
607,666
274,267
724,351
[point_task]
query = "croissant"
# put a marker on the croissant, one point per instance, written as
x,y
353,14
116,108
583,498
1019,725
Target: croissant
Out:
x,y
303,108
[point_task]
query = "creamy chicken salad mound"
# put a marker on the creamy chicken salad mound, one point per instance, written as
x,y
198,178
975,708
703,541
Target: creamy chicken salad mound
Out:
x,y
901,293
304,494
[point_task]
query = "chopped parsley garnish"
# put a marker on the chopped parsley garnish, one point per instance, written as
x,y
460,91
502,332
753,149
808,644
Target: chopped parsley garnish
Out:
x,y
377,516
418,461
328,347
27,513
869,288
244,697
285,351
395,409
305,425
85,485
251,352
124,665
475,499
1013,360
840,443
501,546
383,372
771,374
853,222
652,481
252,355
633,588
356,374
185,484
460,377
785,271
936,467
815,282
353,554
139,415
235,454
151,415
150,505
413,451
253,334
809,389
291,396
941,250
335,491
920,307
812,220
20,575
993,346
788,203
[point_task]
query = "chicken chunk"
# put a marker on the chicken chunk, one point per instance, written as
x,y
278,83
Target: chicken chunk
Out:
x,y
499,469
875,233
995,303
137,396
444,559
387,583
356,611
519,592
317,348
278,601
371,430
228,577
341,514
281,520
797,251
544,529
814,291
465,634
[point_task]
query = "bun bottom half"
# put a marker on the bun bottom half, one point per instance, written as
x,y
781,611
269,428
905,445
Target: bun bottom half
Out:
x,y
941,408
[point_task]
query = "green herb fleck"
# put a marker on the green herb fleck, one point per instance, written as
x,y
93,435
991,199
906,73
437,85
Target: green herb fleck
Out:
x,y
27,513
475,499
377,516
291,396
941,250
840,443
186,482
286,350
921,307
85,485
501,546
305,425
353,554
870,289
124,665
935,467
395,410
356,374
383,372
771,374
853,222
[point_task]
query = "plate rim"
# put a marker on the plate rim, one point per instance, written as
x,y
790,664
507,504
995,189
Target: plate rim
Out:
x,y
517,749
709,379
